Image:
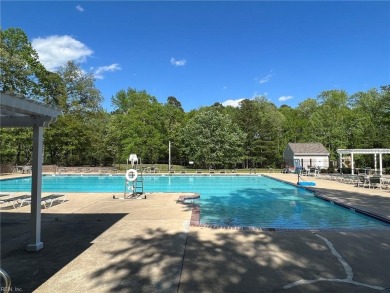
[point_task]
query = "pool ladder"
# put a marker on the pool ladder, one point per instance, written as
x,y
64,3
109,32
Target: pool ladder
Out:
x,y
7,281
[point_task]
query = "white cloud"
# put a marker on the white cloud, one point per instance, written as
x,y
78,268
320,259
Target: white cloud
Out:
x,y
265,79
233,103
55,51
79,8
178,62
285,98
256,95
109,68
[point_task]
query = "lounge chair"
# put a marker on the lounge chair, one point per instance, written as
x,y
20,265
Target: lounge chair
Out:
x,y
199,171
47,200
211,170
27,169
385,183
362,181
312,172
14,200
4,195
350,179
53,198
375,181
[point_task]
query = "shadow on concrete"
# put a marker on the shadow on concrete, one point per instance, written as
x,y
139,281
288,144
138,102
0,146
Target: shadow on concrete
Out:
x,y
149,262
370,202
265,262
239,261
202,260
64,236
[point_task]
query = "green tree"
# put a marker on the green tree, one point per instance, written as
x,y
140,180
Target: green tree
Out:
x,y
385,114
15,145
369,107
18,62
67,141
211,139
81,95
329,121
138,125
21,71
262,123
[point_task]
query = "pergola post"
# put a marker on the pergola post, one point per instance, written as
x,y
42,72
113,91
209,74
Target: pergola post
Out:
x,y
375,163
18,111
36,188
380,164
341,163
352,165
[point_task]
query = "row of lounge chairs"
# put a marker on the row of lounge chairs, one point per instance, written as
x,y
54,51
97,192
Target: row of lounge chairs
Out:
x,y
87,170
359,180
201,171
19,200
22,169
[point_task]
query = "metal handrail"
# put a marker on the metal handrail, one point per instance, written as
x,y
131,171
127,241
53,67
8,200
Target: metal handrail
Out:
x,y
7,286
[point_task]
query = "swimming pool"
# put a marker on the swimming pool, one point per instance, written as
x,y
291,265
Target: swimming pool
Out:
x,y
240,201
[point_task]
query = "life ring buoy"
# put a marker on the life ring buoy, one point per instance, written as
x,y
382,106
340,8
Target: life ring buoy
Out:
x,y
133,175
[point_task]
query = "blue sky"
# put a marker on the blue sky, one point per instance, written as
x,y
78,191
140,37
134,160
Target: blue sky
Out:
x,y
205,52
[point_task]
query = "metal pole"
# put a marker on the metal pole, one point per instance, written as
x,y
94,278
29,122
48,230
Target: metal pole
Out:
x,y
169,160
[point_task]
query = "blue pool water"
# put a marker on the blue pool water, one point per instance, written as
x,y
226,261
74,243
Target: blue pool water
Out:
x,y
225,200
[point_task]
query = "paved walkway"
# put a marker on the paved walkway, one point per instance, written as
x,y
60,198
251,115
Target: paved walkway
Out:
x,y
94,243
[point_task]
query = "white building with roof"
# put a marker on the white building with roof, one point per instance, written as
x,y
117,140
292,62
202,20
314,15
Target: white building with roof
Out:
x,y
306,155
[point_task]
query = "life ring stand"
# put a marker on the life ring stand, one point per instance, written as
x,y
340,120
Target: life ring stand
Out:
x,y
134,175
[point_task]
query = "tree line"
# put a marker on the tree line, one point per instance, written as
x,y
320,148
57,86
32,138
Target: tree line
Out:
x,y
253,135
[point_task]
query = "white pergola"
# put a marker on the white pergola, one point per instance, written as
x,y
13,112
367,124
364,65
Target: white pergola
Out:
x,y
374,152
18,111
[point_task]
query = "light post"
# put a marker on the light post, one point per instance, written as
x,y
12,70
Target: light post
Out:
x,y
169,157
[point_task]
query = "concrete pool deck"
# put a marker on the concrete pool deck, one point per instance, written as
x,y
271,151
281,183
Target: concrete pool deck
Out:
x,y
94,243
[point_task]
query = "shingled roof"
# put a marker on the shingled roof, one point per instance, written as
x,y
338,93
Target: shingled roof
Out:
x,y
308,148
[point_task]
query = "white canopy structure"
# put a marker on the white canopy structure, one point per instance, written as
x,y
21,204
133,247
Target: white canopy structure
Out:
x,y
18,111
374,152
